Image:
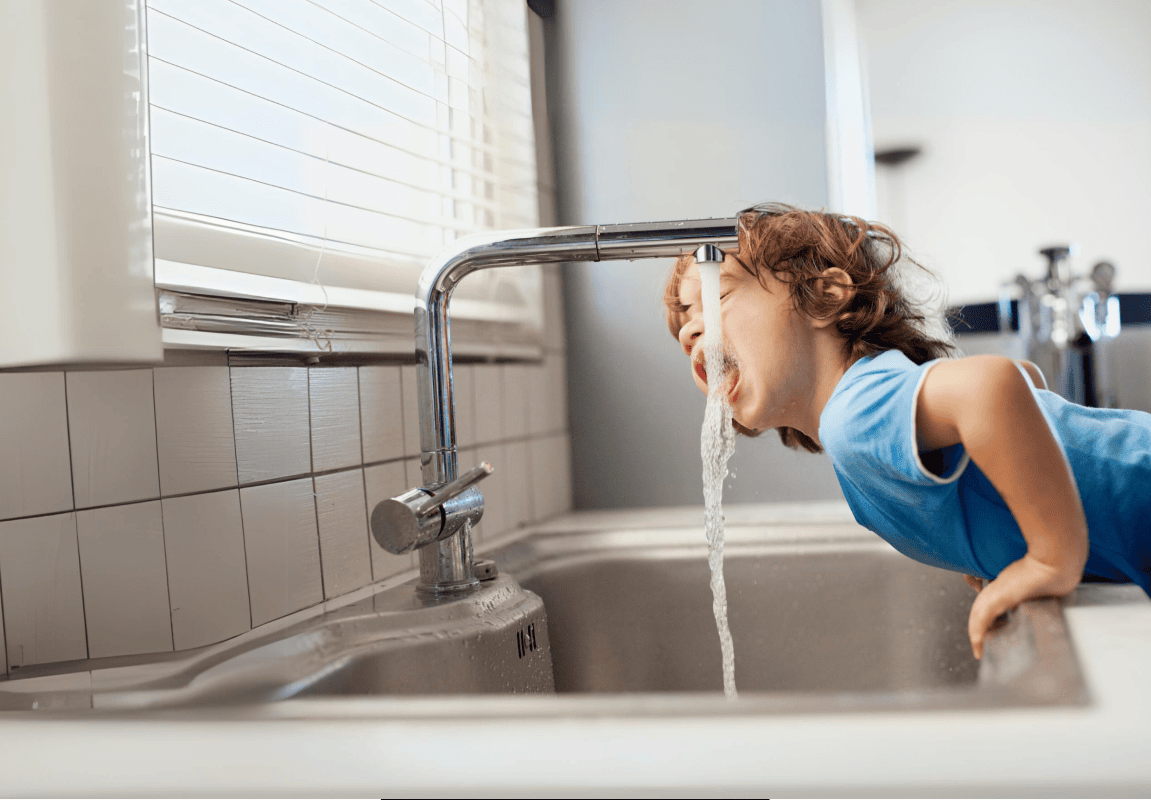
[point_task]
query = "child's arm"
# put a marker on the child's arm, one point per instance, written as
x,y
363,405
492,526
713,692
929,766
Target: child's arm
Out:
x,y
985,403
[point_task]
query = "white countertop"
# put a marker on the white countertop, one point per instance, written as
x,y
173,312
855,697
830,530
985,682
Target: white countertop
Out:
x,y
379,747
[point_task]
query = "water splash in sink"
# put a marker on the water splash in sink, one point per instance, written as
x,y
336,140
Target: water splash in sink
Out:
x,y
717,442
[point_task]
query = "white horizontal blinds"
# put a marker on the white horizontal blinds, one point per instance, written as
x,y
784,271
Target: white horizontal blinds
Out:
x,y
372,132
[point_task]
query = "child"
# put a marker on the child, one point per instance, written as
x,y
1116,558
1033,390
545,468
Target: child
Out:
x,y
967,464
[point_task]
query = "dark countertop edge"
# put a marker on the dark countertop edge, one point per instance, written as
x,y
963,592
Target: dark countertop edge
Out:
x,y
1134,309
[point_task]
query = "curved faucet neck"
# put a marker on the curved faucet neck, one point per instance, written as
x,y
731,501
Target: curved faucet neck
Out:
x,y
446,566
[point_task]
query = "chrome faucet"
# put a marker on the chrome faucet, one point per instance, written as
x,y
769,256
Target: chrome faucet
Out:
x,y
1067,323
437,518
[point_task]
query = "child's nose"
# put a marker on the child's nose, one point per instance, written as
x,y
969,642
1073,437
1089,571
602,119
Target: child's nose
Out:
x,y
687,336
692,329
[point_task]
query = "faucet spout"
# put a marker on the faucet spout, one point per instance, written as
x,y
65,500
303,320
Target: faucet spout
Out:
x,y
446,565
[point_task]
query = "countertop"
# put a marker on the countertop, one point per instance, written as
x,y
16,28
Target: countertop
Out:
x,y
675,745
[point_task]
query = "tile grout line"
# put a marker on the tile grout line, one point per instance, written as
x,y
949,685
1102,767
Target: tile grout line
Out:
x,y
163,533
312,480
232,415
240,503
68,433
80,569
298,476
244,538
76,514
360,409
368,514
363,458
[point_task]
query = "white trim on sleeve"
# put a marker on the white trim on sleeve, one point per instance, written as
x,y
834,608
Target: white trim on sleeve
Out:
x,y
963,462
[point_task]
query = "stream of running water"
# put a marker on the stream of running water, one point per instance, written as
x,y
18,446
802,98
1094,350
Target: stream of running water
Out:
x,y
717,442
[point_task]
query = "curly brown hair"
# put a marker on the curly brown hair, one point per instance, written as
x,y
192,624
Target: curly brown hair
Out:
x,y
796,246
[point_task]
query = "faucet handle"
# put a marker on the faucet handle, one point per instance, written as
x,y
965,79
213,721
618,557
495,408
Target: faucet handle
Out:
x,y
455,488
420,517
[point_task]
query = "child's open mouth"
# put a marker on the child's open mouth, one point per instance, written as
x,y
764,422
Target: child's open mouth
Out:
x,y
731,375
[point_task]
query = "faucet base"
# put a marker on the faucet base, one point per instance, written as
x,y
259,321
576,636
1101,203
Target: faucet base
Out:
x,y
446,566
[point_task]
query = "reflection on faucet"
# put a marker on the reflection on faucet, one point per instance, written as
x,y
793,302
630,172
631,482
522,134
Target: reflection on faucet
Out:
x,y
1066,324
446,555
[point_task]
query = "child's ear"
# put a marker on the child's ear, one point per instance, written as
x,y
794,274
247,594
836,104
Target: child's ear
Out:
x,y
837,288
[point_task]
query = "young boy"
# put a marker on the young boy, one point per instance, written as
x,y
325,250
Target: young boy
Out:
x,y
966,464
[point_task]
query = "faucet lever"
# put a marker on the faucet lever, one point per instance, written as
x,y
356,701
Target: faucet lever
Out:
x,y
420,517
455,488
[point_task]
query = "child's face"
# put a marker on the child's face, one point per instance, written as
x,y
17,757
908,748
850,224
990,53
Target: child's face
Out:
x,y
772,344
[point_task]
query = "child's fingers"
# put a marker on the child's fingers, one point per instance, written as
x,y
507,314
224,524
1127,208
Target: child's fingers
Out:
x,y
995,599
1021,580
973,582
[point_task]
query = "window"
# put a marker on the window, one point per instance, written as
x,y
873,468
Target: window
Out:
x,y
309,156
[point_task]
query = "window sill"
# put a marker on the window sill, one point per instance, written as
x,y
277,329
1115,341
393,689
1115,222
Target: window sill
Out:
x,y
272,315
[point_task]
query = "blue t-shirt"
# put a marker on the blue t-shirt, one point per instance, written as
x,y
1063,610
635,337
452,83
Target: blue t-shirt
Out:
x,y
956,519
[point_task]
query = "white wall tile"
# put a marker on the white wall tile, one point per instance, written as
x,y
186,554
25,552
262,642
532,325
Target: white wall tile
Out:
x,y
551,481
464,384
564,484
381,482
43,604
112,427
413,473
518,484
539,397
35,471
543,481
515,396
125,580
341,508
555,369
194,429
207,579
411,406
381,411
270,406
283,548
335,411
495,518
553,308
489,403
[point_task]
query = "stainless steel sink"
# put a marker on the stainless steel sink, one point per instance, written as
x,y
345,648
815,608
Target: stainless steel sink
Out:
x,y
822,616
825,617
395,642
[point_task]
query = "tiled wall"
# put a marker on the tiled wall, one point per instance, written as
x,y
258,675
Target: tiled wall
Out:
x,y
146,510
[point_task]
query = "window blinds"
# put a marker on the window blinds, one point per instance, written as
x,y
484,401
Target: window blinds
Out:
x,y
340,143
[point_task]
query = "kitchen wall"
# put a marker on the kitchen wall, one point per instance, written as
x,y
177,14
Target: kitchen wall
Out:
x,y
1034,119
670,110
150,510
147,510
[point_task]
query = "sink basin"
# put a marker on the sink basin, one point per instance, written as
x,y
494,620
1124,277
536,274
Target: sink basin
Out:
x,y
822,617
825,617
394,642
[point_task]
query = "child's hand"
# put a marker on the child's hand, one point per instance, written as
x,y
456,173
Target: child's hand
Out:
x,y
1022,580
974,583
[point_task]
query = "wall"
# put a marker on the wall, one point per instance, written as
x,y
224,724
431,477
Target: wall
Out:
x,y
668,110
150,510
1035,121
146,510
